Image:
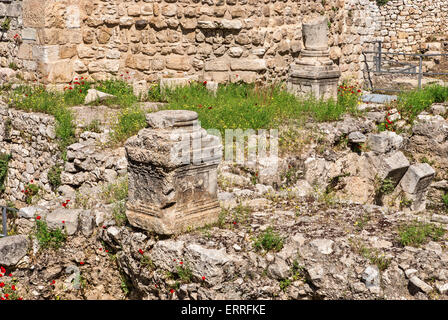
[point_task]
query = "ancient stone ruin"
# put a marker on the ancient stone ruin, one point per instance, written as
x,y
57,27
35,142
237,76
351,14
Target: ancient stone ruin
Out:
x,y
172,174
314,72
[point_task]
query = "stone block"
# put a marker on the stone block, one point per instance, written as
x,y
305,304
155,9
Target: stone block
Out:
x,y
172,168
390,166
72,17
384,142
248,64
417,178
59,72
180,63
217,65
64,219
29,34
12,249
32,13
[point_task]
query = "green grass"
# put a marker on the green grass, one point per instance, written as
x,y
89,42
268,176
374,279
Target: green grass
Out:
x,y
38,99
417,233
54,176
244,106
269,240
49,239
123,92
411,103
129,122
119,213
4,159
117,191
444,200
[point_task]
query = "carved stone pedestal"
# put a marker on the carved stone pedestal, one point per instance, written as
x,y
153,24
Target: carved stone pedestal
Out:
x,y
172,168
314,73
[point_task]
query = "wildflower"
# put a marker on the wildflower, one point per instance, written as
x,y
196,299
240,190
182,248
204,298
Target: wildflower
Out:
x,y
53,282
2,270
64,204
80,91
38,217
2,284
203,278
13,288
140,251
63,221
210,108
81,263
172,290
181,262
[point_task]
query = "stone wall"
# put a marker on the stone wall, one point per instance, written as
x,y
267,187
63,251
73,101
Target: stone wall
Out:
x,y
411,25
30,140
11,28
221,40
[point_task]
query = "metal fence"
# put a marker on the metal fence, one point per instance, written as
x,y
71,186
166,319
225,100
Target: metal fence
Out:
x,y
4,220
380,62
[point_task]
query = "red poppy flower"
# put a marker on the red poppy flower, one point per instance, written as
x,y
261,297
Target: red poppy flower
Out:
x,y
53,282
2,270
107,251
20,298
80,91
2,284
38,217
64,204
63,221
101,249
203,278
81,263
140,251
10,275
104,227
32,181
13,287
172,290
181,262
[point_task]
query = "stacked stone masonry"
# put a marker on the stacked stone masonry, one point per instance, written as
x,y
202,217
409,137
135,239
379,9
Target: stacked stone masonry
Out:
x,y
221,40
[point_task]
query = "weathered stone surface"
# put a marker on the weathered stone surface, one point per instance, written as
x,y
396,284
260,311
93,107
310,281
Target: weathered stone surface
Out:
x,y
208,263
172,182
417,178
371,277
12,249
391,166
314,73
324,246
384,142
64,219
94,95
357,137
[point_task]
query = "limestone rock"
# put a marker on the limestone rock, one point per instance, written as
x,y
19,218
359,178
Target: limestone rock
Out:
x,y
12,249
94,95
